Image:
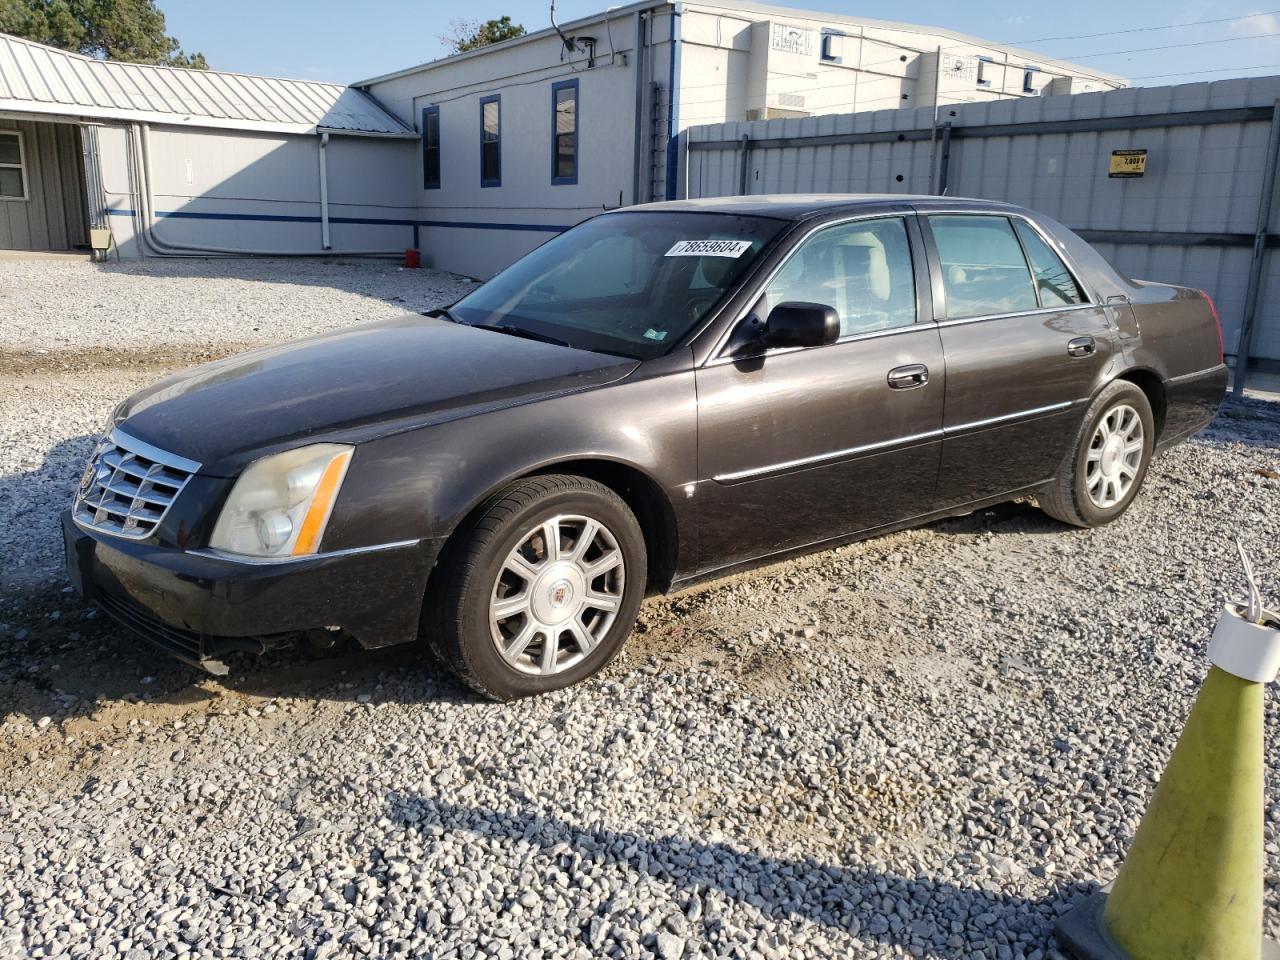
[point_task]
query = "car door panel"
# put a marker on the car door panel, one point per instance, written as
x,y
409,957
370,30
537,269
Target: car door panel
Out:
x,y
1023,353
1014,398
807,446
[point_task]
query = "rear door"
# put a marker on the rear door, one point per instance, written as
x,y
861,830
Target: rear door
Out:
x,y
796,447
1025,348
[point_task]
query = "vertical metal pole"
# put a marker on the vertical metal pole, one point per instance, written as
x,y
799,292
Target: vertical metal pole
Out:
x,y
944,164
324,193
744,164
638,65
1253,293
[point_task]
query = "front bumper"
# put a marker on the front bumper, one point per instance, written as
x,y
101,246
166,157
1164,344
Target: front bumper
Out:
x,y
200,607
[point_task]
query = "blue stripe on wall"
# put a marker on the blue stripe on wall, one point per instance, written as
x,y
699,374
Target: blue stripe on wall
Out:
x,y
368,221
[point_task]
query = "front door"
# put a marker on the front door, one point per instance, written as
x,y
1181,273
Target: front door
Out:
x,y
1024,350
796,447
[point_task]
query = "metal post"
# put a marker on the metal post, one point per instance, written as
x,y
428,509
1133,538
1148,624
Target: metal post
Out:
x,y
744,163
944,163
1254,291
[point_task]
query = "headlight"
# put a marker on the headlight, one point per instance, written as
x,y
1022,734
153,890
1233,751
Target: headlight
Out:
x,y
280,505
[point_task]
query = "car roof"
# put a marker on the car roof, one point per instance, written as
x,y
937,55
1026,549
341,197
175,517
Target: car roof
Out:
x,y
800,206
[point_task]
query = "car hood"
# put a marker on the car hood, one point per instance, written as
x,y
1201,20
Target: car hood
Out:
x,y
353,384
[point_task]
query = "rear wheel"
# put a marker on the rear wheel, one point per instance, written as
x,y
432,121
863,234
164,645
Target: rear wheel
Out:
x,y
542,588
1107,462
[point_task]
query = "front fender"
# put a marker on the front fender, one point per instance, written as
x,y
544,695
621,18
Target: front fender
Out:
x,y
423,482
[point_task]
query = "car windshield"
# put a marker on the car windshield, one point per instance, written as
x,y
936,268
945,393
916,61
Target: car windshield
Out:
x,y
630,283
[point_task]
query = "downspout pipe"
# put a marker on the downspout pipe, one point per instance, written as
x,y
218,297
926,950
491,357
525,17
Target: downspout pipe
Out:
x,y
324,192
168,248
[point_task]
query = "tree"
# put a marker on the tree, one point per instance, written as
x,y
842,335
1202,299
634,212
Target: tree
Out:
x,y
472,34
129,30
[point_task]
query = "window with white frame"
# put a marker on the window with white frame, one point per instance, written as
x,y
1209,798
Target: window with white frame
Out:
x,y
13,176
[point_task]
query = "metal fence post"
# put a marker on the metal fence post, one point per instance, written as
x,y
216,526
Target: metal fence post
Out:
x,y
1253,292
744,163
944,162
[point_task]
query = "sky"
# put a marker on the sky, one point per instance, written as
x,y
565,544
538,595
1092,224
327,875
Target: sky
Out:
x,y
346,41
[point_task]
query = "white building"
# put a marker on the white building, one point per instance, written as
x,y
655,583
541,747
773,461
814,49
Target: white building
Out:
x,y
141,160
473,159
526,137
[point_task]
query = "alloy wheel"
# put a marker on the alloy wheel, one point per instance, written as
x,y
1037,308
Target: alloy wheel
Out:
x,y
557,594
1114,456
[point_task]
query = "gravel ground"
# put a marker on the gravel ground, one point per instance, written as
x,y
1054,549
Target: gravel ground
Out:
x,y
929,744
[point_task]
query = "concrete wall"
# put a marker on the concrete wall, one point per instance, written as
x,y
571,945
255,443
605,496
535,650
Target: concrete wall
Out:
x,y
53,215
1190,220
261,192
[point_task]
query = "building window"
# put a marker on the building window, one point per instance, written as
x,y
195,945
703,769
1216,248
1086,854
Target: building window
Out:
x,y
491,141
831,46
984,71
13,178
430,148
1029,79
564,132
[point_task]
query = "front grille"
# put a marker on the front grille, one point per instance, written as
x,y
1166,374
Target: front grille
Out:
x,y
128,486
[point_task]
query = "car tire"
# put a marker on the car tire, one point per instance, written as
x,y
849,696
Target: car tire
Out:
x,y
513,618
1100,476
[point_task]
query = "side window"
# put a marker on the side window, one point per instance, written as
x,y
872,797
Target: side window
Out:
x,y
564,132
1054,281
491,142
431,148
862,269
983,269
13,182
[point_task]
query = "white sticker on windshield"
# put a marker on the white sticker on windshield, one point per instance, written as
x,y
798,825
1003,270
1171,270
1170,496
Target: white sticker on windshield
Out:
x,y
709,248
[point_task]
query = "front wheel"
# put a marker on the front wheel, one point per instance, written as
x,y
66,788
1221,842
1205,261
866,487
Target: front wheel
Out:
x,y
542,587
1108,460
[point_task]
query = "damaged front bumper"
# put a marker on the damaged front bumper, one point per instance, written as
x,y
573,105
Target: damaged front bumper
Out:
x,y
200,607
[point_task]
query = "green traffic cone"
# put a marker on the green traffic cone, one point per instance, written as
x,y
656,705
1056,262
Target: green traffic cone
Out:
x,y
1191,886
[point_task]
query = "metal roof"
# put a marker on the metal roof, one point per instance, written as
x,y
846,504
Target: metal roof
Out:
x,y
39,79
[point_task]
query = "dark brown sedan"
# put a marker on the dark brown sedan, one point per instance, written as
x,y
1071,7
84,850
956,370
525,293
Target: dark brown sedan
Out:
x,y
657,396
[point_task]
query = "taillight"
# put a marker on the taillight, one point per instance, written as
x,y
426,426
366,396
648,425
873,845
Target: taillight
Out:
x,y
1217,322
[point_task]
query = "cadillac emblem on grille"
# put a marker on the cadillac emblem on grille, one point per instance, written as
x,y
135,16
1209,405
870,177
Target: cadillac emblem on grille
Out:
x,y
128,486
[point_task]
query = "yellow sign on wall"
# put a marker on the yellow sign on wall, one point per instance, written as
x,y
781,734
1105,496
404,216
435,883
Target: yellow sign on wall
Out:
x,y
1128,163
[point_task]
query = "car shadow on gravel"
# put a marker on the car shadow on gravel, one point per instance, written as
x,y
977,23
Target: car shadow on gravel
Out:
x,y
874,905
62,658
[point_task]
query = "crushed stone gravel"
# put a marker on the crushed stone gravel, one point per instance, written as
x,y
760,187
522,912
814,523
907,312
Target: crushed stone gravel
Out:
x,y
929,744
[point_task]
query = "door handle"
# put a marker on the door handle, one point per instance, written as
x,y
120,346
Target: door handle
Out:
x,y
908,377
1082,347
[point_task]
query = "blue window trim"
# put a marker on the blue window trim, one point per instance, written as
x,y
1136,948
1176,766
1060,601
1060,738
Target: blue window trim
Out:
x,y
555,90
825,53
427,183
496,182
984,82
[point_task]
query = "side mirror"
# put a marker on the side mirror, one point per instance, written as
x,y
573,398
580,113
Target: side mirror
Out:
x,y
797,324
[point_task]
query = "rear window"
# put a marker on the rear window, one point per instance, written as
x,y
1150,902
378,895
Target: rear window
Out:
x,y
983,269
1054,282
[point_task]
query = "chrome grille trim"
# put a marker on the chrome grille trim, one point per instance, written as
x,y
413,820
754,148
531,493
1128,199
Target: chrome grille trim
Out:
x,y
128,486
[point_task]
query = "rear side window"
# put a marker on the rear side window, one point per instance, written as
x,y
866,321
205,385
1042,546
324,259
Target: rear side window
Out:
x,y
1053,280
983,269
862,269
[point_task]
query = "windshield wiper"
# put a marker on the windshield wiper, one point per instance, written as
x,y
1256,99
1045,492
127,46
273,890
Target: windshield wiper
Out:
x,y
446,314
514,331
